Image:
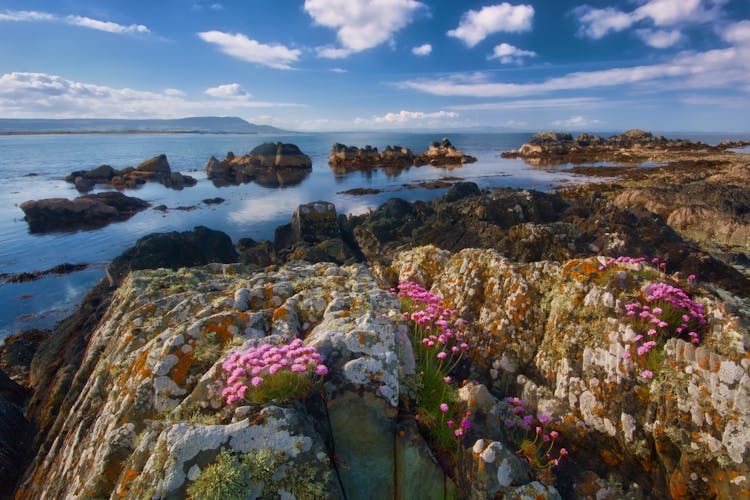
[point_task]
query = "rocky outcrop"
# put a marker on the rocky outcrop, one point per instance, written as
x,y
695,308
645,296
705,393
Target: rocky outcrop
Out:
x,y
91,211
150,416
631,146
156,169
316,234
15,434
529,226
344,159
270,165
555,334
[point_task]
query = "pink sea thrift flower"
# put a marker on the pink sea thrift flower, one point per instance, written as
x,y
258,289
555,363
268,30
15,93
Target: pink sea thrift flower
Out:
x,y
256,381
321,370
647,374
443,407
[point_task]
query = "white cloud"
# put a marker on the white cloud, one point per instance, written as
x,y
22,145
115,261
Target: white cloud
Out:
x,y
81,21
412,118
507,54
660,39
228,91
25,15
246,49
422,50
575,122
720,68
596,23
361,24
476,25
339,70
567,102
108,26
40,95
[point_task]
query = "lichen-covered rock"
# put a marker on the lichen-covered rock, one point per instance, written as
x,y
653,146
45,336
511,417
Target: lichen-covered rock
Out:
x,y
156,169
344,159
557,334
150,418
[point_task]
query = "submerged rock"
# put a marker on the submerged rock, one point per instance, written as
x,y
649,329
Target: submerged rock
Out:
x,y
270,165
91,211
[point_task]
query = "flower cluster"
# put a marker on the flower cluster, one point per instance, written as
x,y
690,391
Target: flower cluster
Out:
x,y
535,443
438,341
439,329
249,371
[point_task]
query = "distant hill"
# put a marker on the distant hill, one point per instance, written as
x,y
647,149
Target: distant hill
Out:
x,y
198,124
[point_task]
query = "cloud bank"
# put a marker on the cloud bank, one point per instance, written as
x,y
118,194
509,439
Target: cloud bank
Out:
x,y
81,21
246,49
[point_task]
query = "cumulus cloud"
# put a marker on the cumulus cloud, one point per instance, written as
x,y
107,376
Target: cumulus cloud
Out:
x,y
228,91
507,54
81,21
246,49
414,118
422,50
720,68
361,24
40,95
597,23
476,25
575,122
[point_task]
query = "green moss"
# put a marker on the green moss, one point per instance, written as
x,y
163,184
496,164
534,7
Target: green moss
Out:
x,y
227,479
306,482
208,349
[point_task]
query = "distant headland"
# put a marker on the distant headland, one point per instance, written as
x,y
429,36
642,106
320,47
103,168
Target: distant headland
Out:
x,y
191,125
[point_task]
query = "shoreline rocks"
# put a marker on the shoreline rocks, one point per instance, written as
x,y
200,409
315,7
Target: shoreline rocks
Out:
x,y
631,146
91,211
156,169
344,159
269,165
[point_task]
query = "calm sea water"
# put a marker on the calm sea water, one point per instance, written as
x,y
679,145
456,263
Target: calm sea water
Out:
x,y
249,211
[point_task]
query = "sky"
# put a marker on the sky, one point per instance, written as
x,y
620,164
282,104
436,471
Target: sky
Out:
x,y
335,65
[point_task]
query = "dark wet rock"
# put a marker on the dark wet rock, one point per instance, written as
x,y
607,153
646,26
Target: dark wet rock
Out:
x,y
631,146
174,250
16,435
214,201
85,212
156,169
461,190
316,234
58,270
344,158
270,165
161,208
361,191
16,354
259,254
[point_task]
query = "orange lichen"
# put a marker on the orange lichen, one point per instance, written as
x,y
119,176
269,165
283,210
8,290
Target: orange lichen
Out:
x,y
179,372
609,458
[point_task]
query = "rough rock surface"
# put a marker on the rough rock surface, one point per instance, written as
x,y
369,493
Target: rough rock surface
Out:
x,y
90,211
149,416
344,159
630,146
15,434
156,169
270,165
555,333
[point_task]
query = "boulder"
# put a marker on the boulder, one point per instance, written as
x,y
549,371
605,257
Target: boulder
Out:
x,y
344,159
85,212
16,435
174,250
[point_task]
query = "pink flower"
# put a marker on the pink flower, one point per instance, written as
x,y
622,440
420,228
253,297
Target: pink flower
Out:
x,y
274,368
447,379
298,368
256,381
691,277
647,374
459,432
466,424
442,355
443,407
543,419
626,355
554,434
321,370
450,423
563,452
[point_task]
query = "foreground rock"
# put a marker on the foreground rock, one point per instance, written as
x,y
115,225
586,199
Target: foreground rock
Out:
x,y
269,165
555,334
156,169
90,211
631,146
344,159
15,434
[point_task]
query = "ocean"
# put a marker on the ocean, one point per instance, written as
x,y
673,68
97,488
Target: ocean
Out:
x,y
33,167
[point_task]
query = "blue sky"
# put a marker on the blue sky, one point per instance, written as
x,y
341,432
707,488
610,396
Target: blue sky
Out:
x,y
667,65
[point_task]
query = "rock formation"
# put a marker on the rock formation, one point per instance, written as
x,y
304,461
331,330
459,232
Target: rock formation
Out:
x,y
270,165
156,169
90,211
631,146
344,159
